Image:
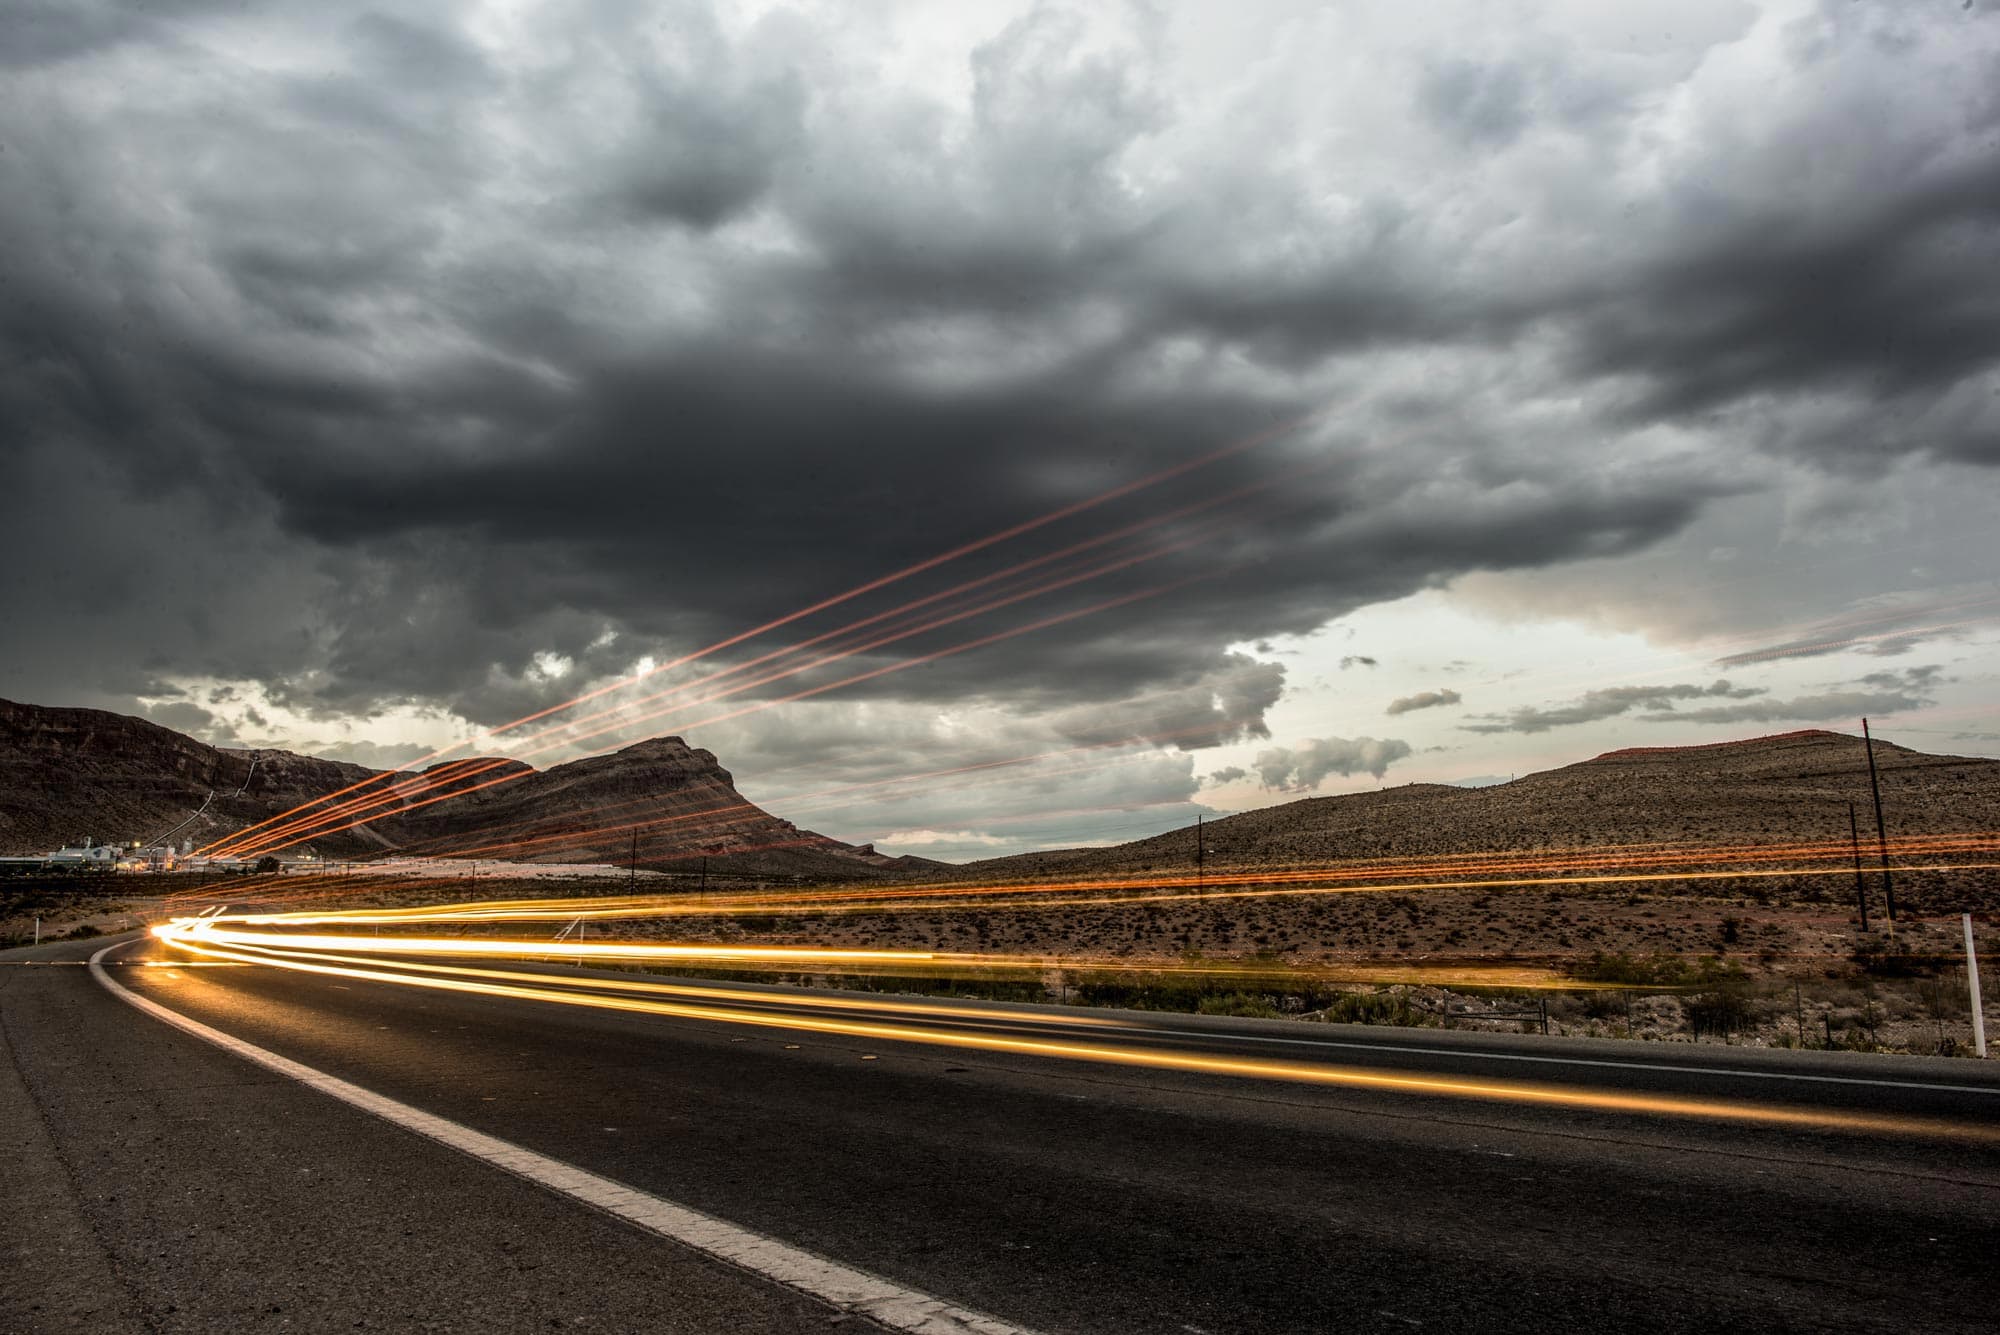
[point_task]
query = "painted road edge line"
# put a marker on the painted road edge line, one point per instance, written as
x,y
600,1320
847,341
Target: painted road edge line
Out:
x,y
850,1290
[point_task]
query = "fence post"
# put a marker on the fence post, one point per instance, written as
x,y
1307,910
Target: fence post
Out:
x,y
1972,981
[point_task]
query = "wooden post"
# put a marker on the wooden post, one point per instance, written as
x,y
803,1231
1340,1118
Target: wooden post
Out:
x,y
1881,834
1972,981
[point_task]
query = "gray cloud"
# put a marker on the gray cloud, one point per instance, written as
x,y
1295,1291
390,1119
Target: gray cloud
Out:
x,y
1885,630
1305,766
1610,702
1227,774
1423,700
1923,678
1893,693
1356,660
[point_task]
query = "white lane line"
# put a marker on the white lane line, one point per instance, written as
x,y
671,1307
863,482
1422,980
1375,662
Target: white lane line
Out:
x,y
851,1290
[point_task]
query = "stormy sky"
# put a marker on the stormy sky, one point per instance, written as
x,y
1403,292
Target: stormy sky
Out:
x,y
1351,394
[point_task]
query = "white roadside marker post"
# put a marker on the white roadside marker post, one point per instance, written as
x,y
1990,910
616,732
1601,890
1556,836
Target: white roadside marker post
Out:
x,y
1972,982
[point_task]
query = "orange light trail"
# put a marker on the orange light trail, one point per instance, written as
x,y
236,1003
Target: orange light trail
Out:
x,y
1123,563
901,665
634,999
1623,865
930,622
1150,480
358,811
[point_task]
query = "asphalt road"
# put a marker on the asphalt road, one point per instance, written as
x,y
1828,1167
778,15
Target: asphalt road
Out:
x,y
169,1185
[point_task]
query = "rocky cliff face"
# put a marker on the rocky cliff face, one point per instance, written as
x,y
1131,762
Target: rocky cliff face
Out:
x,y
675,802
68,773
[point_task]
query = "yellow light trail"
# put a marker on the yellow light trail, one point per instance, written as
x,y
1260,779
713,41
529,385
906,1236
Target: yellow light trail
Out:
x,y
1582,1099
208,929
835,961
1214,888
261,954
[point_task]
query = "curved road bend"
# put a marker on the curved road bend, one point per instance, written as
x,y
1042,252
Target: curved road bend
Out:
x,y
170,1185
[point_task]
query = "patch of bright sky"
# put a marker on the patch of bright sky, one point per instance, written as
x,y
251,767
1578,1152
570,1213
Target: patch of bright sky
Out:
x,y
245,715
1433,641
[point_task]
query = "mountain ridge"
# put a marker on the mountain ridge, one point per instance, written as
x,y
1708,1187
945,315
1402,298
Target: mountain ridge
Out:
x,y
1784,786
69,773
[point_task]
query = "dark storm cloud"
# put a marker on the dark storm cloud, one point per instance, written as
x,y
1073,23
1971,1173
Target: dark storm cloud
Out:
x,y
1423,700
1840,269
1609,702
375,377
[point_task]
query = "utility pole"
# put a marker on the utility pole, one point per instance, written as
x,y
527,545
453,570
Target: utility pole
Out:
x,y
1200,858
1881,834
1860,886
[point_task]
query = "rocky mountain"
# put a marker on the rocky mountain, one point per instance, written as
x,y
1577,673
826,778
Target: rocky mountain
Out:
x,y
1793,786
67,774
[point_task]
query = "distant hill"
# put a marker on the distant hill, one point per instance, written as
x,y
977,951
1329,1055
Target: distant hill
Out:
x,y
1793,786
67,774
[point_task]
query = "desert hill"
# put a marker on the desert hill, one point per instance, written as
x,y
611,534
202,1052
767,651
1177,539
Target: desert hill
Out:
x,y
70,773
1792,786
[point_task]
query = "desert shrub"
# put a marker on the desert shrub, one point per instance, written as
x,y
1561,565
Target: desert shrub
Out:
x,y
1658,970
1720,1011
1880,958
83,932
1374,1008
1253,1005
1606,1005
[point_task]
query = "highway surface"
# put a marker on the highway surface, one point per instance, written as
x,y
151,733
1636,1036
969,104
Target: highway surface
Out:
x,y
1053,1168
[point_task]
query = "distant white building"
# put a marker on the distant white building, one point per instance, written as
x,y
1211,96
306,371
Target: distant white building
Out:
x,y
87,856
